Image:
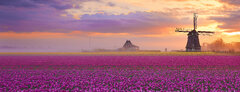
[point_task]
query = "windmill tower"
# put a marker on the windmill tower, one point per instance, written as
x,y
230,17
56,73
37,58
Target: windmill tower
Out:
x,y
193,44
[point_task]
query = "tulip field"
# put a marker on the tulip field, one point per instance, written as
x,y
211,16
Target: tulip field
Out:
x,y
120,73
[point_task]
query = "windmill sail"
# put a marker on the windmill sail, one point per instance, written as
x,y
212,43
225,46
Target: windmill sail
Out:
x,y
195,21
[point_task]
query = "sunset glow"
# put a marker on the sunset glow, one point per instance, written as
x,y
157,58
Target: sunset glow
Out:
x,y
115,20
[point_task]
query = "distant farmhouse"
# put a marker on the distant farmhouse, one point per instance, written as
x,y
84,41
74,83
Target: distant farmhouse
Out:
x,y
128,46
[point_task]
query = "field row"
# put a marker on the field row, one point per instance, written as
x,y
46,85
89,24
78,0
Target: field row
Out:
x,y
106,62
119,60
122,80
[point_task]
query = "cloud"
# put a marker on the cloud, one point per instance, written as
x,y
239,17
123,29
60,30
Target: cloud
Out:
x,y
231,22
139,22
31,35
57,4
232,2
109,7
30,20
49,20
96,16
18,3
8,47
111,4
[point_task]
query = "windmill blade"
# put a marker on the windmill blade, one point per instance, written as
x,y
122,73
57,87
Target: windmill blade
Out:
x,y
182,30
195,17
206,32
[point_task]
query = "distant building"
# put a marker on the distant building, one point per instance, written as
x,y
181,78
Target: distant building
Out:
x,y
166,50
128,46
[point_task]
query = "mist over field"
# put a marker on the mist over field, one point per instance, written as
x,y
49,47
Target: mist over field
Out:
x,y
220,46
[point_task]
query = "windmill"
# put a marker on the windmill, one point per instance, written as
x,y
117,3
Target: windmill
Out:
x,y
193,39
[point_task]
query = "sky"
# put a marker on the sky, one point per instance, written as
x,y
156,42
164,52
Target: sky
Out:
x,y
76,25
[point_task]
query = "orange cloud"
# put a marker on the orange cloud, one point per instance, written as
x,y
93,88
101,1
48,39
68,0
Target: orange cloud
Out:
x,y
42,35
46,35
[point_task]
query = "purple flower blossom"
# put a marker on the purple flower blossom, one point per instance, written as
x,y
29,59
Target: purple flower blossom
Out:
x,y
119,73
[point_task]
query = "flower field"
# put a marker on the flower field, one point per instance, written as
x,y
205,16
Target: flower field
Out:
x,y
120,73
